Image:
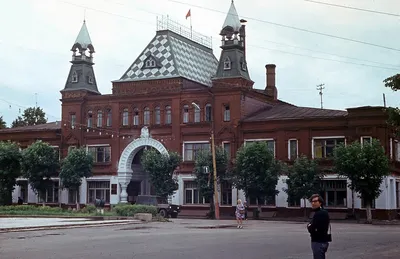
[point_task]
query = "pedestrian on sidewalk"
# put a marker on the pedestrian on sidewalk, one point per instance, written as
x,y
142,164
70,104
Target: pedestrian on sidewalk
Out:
x,y
246,209
240,210
318,228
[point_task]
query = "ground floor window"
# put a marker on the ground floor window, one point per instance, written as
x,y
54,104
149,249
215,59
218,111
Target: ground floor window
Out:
x,y
263,201
98,190
50,195
398,194
226,193
23,190
73,196
334,193
192,194
363,205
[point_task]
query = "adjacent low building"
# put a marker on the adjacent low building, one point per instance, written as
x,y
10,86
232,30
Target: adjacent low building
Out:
x,y
171,98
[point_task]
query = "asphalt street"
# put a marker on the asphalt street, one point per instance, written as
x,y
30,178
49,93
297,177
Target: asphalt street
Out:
x,y
193,239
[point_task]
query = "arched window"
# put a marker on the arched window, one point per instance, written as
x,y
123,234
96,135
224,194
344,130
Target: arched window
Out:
x,y
136,116
227,113
157,115
168,115
109,118
99,118
227,63
196,113
185,114
125,117
74,78
90,119
146,116
208,113
150,63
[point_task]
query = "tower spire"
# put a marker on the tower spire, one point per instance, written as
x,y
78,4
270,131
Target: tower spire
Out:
x,y
81,75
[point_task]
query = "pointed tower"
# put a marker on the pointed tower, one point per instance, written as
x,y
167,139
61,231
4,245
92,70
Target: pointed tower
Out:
x,y
232,63
81,75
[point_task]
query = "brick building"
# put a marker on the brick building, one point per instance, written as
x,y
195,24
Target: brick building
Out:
x,y
172,96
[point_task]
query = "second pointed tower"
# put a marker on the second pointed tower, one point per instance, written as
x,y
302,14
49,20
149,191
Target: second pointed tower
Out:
x,y
232,68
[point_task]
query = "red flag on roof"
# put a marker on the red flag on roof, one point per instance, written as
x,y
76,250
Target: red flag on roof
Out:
x,y
188,14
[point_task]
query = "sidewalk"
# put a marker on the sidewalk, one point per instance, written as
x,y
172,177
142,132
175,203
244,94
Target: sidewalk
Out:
x,y
28,223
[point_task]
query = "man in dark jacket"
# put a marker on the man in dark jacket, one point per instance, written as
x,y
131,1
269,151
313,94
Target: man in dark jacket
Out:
x,y
318,228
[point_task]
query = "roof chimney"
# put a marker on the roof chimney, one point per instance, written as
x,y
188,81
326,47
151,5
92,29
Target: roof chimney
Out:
x,y
270,89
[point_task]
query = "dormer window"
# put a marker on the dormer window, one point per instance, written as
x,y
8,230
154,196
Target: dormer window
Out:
x,y
150,63
74,77
243,65
227,64
90,79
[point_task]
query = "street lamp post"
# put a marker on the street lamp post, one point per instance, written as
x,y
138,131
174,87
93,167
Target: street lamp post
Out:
x,y
214,161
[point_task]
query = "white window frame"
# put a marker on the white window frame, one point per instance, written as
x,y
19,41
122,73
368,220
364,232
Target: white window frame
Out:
x,y
396,149
262,139
297,148
325,137
192,189
391,148
363,137
59,152
197,114
74,77
230,148
100,145
227,63
192,142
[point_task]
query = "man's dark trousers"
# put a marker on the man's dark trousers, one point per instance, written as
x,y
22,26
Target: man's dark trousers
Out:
x,y
319,249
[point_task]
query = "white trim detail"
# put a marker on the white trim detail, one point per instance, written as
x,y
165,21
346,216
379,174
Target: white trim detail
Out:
x,y
362,137
297,147
327,137
125,162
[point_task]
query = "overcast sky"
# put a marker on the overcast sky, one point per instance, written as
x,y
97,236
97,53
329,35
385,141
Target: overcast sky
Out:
x,y
36,37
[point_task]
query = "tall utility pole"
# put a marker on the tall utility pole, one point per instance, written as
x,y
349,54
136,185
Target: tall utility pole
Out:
x,y
321,87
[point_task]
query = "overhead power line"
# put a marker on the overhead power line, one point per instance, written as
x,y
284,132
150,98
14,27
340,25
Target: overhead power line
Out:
x,y
353,8
293,27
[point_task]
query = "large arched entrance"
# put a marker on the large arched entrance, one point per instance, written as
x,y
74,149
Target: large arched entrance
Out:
x,y
129,168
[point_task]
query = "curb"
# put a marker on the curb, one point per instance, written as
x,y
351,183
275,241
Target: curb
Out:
x,y
55,227
70,217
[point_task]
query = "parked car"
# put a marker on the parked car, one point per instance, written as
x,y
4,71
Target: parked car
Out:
x,y
164,208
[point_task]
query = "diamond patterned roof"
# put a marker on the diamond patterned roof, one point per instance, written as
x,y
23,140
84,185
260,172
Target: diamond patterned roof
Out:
x,y
176,56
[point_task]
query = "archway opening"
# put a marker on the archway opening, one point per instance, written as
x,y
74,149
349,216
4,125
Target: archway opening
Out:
x,y
140,183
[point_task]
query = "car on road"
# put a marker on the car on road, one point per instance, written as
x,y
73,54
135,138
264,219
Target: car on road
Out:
x,y
164,208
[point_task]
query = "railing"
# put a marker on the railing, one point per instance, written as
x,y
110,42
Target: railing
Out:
x,y
165,23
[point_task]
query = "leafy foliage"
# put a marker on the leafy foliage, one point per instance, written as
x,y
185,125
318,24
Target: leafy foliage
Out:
x,y
130,210
256,170
161,168
3,124
77,165
304,179
205,181
366,166
31,116
40,162
393,83
10,170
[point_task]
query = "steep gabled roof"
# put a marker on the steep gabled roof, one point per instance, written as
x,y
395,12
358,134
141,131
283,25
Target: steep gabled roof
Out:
x,y
286,111
177,56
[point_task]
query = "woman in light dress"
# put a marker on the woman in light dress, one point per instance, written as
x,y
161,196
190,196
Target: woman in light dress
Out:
x,y
240,210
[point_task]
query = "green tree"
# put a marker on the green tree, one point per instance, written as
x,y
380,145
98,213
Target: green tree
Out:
x,y
366,166
10,170
257,172
40,162
3,124
77,165
204,179
393,83
304,179
31,116
161,168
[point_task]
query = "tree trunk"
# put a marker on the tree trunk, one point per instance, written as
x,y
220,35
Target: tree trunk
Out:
x,y
369,212
305,208
257,215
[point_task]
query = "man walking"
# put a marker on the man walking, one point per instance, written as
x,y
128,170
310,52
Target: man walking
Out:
x,y
318,228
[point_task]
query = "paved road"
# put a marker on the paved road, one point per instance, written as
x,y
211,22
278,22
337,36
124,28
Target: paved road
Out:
x,y
182,239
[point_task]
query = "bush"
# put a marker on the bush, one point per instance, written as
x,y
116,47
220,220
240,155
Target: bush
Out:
x,y
30,210
130,210
88,209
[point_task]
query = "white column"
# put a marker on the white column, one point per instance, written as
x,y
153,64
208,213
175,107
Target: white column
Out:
x,y
124,194
124,179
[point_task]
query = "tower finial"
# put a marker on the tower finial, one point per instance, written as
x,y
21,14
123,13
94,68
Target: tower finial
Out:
x,y
84,15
